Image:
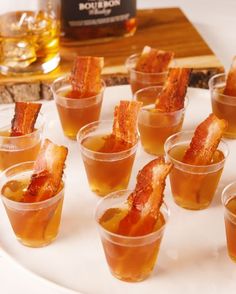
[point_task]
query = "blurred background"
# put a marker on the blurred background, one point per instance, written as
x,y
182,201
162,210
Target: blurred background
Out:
x,y
213,19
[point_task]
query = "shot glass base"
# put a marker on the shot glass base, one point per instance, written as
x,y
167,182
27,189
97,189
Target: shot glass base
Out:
x,y
157,152
35,244
103,191
70,136
191,205
130,279
232,257
229,135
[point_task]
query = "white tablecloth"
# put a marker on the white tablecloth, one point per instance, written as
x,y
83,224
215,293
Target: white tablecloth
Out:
x,y
216,22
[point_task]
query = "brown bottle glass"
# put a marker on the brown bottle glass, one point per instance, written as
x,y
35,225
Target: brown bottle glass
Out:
x,y
93,20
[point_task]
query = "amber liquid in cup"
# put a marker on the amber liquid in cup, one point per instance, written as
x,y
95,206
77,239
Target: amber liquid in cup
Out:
x,y
74,113
35,224
24,149
193,189
73,119
29,42
130,259
107,169
228,199
155,127
230,226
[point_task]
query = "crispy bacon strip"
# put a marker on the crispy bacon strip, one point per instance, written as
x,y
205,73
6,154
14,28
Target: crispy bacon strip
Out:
x,y
146,200
48,171
172,96
125,121
205,141
86,75
25,117
153,60
230,88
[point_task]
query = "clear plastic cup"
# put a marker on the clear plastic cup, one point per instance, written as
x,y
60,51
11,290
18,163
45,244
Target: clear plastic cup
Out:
x,y
18,149
75,113
106,171
139,80
130,259
223,106
229,202
154,126
35,224
193,186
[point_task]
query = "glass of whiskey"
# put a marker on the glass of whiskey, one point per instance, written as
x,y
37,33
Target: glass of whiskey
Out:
x,y
29,37
223,106
193,186
155,126
16,149
108,166
35,224
74,113
229,202
129,258
139,80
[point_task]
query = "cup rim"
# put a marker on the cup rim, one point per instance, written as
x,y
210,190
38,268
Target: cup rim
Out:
x,y
157,112
225,202
32,205
231,184
187,165
147,88
130,68
87,99
132,148
110,195
38,130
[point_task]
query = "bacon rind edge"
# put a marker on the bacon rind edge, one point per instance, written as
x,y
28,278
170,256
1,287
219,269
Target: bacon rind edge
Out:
x,y
205,141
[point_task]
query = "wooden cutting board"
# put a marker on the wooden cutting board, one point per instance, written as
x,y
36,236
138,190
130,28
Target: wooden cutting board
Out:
x,y
167,29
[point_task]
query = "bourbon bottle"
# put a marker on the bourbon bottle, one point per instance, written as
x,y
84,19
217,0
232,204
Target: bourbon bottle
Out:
x,y
93,20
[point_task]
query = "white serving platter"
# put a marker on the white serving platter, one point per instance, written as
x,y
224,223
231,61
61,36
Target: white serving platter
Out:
x,y
192,258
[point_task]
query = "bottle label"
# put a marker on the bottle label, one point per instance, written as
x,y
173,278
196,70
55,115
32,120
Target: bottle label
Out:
x,y
77,13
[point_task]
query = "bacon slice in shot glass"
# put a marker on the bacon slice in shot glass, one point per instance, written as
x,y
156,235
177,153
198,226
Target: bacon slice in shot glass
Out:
x,y
146,200
172,96
26,114
205,141
230,88
86,76
153,60
48,170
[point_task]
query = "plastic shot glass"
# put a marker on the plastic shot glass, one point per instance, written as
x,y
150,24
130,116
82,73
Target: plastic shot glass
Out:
x,y
229,202
139,80
155,126
106,171
130,259
193,186
74,113
35,224
16,149
223,106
